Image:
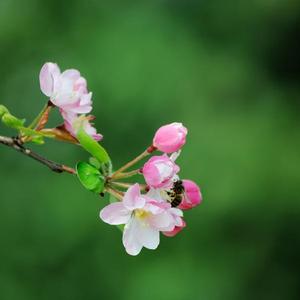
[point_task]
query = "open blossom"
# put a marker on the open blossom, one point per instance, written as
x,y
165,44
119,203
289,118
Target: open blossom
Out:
x,y
143,217
67,90
192,195
170,138
73,123
158,171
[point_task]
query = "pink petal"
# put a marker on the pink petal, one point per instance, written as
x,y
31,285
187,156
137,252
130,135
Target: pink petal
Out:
x,y
115,214
132,198
81,85
48,74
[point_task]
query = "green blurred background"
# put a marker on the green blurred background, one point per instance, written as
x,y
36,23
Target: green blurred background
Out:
x,y
230,71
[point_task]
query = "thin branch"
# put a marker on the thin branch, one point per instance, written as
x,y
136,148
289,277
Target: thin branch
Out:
x,y
117,194
17,145
126,185
126,174
147,152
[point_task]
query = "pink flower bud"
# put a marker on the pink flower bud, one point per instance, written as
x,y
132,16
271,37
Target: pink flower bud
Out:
x,y
176,230
170,138
159,171
192,195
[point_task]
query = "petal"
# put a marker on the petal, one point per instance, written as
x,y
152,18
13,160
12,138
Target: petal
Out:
x,y
115,214
79,109
155,194
176,211
86,99
175,155
130,237
132,198
70,74
48,75
148,236
162,221
81,85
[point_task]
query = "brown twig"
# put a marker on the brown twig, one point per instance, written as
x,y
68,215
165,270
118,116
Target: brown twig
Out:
x,y
117,194
16,144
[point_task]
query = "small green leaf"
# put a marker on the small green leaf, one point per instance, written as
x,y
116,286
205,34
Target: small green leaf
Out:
x,y
91,146
11,121
3,110
90,177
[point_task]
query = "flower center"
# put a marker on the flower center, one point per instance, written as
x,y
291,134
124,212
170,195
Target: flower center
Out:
x,y
141,214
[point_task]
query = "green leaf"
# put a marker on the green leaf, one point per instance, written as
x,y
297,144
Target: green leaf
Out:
x,y
11,121
3,110
91,146
90,177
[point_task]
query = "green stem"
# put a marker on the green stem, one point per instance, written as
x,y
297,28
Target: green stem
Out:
x,y
147,152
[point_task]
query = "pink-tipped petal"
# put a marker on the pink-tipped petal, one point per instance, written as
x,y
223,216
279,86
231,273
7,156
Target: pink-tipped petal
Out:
x,y
133,199
115,214
158,171
81,85
48,75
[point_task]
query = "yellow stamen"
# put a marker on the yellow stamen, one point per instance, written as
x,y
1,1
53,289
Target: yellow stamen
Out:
x,y
141,214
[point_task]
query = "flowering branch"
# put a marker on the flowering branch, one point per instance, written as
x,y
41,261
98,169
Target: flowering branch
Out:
x,y
16,144
145,209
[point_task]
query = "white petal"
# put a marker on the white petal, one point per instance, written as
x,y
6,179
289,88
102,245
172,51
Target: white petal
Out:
x,y
148,236
130,237
176,211
155,194
70,74
48,75
175,155
162,221
115,214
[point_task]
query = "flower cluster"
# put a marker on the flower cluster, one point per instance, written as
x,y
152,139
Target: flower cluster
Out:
x,y
159,209
142,210
68,91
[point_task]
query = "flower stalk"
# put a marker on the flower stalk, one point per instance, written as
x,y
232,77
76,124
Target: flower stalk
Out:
x,y
119,173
